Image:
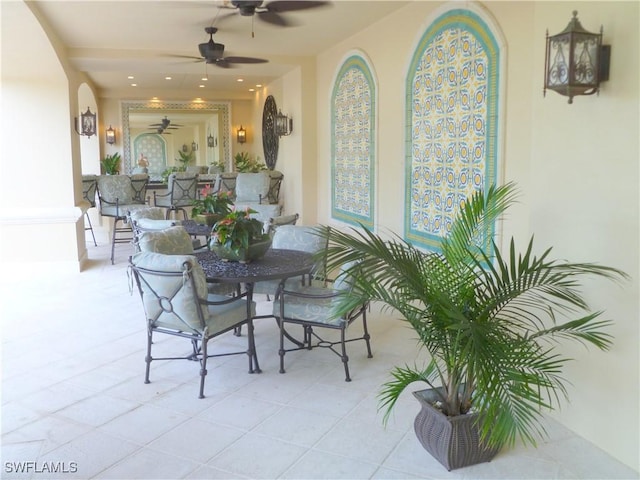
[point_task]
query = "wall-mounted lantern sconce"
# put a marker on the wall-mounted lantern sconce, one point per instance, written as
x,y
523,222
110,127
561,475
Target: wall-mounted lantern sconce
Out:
x,y
211,141
283,125
87,122
185,147
194,146
575,61
241,136
110,135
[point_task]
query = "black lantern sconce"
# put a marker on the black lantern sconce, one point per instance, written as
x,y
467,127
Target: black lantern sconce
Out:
x,y
241,135
284,125
575,61
211,141
87,123
194,146
110,135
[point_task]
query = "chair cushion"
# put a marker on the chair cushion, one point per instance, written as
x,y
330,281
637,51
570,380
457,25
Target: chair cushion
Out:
x,y
294,237
183,313
121,211
114,188
317,310
263,212
251,187
153,224
153,213
170,241
222,317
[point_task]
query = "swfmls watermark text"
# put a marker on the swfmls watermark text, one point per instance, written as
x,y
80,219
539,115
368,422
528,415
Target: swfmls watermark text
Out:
x,y
40,467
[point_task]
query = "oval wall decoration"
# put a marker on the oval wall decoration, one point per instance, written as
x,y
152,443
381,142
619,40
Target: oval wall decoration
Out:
x,y
270,140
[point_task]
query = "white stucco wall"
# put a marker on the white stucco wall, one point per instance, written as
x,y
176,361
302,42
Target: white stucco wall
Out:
x,y
576,166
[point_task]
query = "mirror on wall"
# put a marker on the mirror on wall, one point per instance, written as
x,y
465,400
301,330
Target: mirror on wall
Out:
x,y
160,135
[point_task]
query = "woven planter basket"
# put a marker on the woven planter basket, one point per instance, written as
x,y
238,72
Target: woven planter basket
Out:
x,y
453,441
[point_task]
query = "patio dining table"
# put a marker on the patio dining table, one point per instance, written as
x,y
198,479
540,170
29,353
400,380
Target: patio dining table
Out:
x,y
277,264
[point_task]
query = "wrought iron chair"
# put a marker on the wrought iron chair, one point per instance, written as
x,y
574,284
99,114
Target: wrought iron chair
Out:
x,y
118,195
312,307
157,237
251,189
275,182
174,295
181,192
89,187
272,224
301,238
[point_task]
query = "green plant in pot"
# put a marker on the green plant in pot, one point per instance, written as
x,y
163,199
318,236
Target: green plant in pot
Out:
x,y
238,237
488,319
245,163
111,164
211,207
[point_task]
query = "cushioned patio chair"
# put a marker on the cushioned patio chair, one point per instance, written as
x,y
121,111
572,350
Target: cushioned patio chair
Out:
x,y
118,195
174,240
273,223
174,295
312,307
89,187
182,191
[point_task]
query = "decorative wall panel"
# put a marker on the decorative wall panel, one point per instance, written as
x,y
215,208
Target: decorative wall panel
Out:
x,y
452,122
353,143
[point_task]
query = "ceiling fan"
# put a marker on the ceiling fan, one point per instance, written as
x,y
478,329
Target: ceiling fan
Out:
x,y
272,11
165,124
213,53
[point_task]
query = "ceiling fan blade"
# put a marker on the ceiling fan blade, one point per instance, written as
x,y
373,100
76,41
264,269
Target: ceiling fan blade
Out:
x,y
222,63
281,6
244,60
274,18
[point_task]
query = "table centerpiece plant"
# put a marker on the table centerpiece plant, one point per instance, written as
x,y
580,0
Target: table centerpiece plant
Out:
x,y
211,207
111,164
489,320
239,237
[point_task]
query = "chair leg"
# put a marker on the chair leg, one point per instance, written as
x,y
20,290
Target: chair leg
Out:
x,y
345,357
366,335
86,214
203,367
148,358
281,352
113,240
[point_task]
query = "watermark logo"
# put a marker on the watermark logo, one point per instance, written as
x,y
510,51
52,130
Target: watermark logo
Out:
x,y
40,467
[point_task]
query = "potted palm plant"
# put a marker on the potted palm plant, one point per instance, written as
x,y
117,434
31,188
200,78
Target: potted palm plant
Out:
x,y
489,321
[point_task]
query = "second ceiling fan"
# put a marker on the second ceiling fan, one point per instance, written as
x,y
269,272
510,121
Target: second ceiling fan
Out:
x,y
213,53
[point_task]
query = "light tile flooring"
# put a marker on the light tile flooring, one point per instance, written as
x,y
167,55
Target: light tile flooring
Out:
x,y
73,399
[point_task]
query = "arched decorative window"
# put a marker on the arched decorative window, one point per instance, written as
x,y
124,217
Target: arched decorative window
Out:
x,y
153,147
353,125
452,93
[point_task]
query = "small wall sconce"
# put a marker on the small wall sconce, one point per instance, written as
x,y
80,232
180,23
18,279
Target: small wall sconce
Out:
x,y
211,141
185,148
110,135
194,146
241,136
283,125
88,123
575,61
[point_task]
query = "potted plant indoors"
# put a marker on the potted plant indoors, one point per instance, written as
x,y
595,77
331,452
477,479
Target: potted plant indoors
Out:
x,y
245,163
211,207
111,164
489,321
238,237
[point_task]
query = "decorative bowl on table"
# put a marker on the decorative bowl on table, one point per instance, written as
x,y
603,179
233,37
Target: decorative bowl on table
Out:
x,y
255,251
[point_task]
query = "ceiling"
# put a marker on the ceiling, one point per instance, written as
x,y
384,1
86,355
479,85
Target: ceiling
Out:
x,y
112,40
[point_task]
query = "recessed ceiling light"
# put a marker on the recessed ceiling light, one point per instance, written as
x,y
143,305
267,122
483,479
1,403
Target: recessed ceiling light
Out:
x,y
167,78
241,80
130,77
134,84
259,85
201,86
205,79
252,89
